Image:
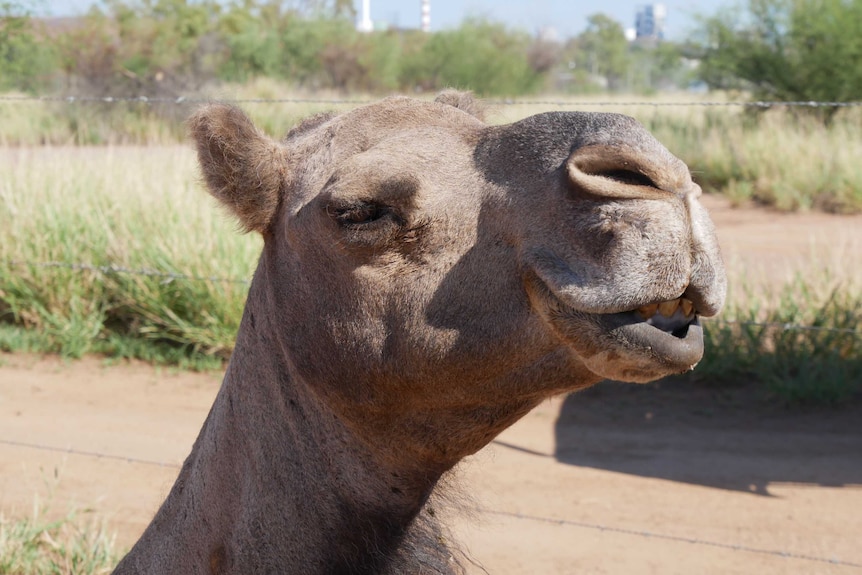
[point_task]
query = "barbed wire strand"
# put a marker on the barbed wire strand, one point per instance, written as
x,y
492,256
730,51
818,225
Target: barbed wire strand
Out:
x,y
787,326
115,269
171,276
736,103
666,537
179,100
96,454
487,511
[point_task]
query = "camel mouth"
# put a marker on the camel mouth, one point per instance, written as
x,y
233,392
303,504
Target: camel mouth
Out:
x,y
673,339
641,344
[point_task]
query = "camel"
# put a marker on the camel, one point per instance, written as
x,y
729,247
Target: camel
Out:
x,y
426,279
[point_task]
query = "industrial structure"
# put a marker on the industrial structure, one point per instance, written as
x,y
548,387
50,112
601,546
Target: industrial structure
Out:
x,y
650,22
426,15
364,23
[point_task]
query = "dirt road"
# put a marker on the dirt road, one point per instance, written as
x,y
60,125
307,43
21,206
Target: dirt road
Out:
x,y
618,479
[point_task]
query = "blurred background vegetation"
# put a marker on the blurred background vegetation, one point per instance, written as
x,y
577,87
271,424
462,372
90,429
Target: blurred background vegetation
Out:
x,y
770,49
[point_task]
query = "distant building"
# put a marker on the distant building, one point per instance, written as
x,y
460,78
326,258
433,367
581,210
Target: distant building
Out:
x,y
426,15
650,22
364,23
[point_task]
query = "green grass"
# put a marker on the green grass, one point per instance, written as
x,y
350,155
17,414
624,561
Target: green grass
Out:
x,y
34,123
779,159
96,123
72,545
802,341
131,208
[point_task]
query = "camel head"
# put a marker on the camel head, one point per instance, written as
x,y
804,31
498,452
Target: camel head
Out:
x,y
418,258
426,279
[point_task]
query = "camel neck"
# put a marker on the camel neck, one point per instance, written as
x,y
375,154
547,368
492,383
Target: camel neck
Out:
x,y
268,445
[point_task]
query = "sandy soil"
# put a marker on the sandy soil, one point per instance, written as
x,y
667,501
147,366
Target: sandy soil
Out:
x,y
664,478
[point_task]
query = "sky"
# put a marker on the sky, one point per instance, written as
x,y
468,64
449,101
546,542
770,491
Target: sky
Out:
x,y
567,18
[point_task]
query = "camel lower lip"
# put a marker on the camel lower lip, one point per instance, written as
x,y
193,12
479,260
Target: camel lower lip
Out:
x,y
681,351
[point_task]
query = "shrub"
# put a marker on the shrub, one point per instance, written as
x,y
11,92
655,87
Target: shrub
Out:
x,y
27,62
797,50
806,346
479,55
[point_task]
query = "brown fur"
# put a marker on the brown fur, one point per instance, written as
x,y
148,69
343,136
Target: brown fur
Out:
x,y
425,281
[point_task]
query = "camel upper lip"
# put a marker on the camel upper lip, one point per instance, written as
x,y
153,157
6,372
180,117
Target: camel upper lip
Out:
x,y
661,328
572,291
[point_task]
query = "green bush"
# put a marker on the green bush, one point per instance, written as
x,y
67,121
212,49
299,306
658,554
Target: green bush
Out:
x,y
479,55
252,43
796,50
26,63
806,347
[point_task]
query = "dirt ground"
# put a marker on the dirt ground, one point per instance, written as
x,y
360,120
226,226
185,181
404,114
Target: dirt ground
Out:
x,y
624,479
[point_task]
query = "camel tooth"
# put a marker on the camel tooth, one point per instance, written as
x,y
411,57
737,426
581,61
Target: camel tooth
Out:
x,y
647,311
687,307
668,308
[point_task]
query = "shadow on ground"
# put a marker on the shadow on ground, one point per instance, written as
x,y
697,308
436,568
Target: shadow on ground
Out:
x,y
724,438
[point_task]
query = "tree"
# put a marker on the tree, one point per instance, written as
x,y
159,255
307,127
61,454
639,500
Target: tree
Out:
x,y
479,55
602,49
252,33
26,60
657,66
325,9
788,50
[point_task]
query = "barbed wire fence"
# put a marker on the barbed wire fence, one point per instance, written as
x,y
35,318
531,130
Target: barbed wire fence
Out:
x,y
167,277
766,104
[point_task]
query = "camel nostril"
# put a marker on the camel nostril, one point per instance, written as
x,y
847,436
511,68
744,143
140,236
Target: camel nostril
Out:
x,y
616,172
627,177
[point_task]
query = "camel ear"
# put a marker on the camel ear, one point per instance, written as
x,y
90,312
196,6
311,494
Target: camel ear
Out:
x,y
243,168
464,101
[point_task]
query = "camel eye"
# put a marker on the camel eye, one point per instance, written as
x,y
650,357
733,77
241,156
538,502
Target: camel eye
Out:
x,y
361,214
357,214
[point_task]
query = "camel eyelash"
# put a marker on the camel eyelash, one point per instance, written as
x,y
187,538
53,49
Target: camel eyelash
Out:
x,y
358,213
